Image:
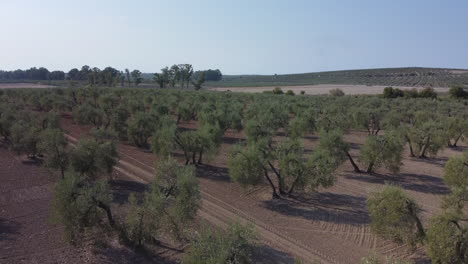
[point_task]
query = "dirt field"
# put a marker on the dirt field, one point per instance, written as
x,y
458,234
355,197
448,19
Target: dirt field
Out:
x,y
331,226
27,232
322,89
24,85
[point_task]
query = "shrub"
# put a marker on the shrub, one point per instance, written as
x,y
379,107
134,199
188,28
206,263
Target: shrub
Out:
x,y
395,216
235,246
277,90
336,92
290,92
80,205
390,92
458,92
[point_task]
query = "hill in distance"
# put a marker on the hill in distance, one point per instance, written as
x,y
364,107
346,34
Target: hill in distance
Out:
x,y
411,77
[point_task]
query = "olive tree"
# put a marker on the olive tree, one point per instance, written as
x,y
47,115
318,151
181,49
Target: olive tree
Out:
x,y
456,178
141,127
25,138
87,114
236,245
80,205
395,216
53,145
92,157
447,239
171,202
384,151
428,138
250,164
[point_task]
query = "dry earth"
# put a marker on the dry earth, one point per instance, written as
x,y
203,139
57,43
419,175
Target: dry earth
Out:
x,y
24,85
332,225
322,89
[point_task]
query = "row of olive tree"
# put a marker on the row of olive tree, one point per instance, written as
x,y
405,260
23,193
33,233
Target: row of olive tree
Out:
x,y
396,216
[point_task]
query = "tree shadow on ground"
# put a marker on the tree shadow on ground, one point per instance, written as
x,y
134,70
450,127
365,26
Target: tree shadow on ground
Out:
x,y
233,140
438,161
356,146
110,254
122,189
267,255
8,228
410,181
327,207
213,173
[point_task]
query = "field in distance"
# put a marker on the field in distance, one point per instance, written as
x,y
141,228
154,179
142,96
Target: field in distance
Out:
x,y
405,77
319,89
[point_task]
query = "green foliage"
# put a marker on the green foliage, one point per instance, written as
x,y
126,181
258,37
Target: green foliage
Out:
x,y
136,76
170,204
375,259
458,92
80,205
336,92
53,145
289,92
456,178
92,157
234,246
246,165
384,151
141,127
198,84
88,114
277,90
395,216
427,138
390,92
447,239
163,139
25,138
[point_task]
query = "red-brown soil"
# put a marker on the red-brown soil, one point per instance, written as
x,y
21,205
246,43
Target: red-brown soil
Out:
x,y
27,232
331,226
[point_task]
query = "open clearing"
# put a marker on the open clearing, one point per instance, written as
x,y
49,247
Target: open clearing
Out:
x,y
320,89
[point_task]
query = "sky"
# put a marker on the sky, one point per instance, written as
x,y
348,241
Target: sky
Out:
x,y
237,37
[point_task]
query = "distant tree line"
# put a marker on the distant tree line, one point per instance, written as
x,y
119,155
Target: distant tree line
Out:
x,y
32,74
178,75
210,75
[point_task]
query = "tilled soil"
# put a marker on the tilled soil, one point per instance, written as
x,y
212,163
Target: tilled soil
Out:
x,y
27,232
331,225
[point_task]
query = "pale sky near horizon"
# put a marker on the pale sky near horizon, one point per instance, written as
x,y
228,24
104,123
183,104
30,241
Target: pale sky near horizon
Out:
x,y
238,37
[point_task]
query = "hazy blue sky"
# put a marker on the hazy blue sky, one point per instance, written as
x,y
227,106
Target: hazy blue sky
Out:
x,y
242,36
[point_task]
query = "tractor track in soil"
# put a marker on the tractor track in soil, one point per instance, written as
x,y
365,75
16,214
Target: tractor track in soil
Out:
x,y
221,214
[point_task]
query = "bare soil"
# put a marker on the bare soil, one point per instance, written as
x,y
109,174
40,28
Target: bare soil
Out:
x,y
322,89
331,225
29,235
24,85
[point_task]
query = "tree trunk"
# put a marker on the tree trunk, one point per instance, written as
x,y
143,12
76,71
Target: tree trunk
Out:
x,y
370,168
108,211
62,172
187,159
355,166
194,156
419,226
291,189
423,151
410,147
456,141
275,194
200,157
280,179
